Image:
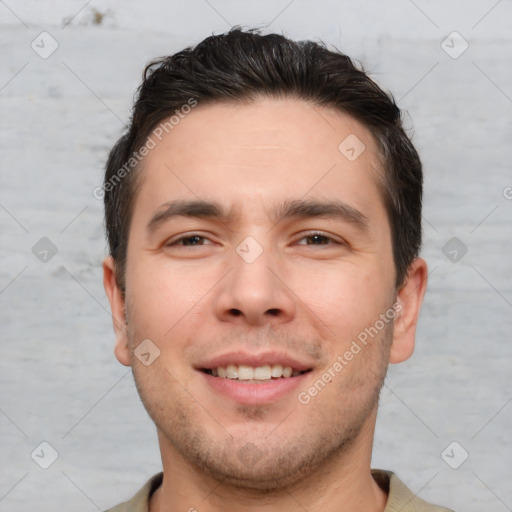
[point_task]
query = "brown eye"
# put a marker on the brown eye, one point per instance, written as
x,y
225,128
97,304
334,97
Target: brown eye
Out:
x,y
188,241
317,239
192,240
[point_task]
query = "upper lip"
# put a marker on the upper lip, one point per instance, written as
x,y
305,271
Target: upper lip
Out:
x,y
261,359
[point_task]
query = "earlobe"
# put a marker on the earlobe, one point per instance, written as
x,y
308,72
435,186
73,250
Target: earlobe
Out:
x,y
116,300
409,300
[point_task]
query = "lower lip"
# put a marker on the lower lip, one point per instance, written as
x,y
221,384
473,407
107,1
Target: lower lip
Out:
x,y
254,394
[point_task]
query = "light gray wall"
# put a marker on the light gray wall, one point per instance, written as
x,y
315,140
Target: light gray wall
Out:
x,y
60,115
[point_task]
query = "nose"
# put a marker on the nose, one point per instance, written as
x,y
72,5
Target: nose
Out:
x,y
255,292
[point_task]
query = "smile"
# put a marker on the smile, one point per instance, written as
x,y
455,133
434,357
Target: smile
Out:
x,y
253,374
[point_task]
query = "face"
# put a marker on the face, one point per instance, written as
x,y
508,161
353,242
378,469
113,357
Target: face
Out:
x,y
259,249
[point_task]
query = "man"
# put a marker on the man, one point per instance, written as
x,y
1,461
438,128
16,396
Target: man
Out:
x,y
263,213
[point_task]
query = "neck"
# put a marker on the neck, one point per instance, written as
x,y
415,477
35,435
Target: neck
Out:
x,y
343,483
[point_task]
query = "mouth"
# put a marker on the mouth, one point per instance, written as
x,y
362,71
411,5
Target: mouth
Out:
x,y
254,374
254,379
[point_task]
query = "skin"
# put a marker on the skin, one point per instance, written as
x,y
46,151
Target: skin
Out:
x,y
306,296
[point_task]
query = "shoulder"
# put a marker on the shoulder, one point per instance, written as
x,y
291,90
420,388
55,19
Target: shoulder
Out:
x,y
140,502
400,497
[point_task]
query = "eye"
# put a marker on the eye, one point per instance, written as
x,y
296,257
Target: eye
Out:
x,y
318,239
190,240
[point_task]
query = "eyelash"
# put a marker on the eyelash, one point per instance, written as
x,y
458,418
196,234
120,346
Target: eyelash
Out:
x,y
308,235
322,235
186,237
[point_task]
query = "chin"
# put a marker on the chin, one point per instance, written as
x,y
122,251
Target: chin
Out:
x,y
264,468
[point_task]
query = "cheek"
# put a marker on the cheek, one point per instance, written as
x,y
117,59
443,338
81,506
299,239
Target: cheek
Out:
x,y
345,298
163,299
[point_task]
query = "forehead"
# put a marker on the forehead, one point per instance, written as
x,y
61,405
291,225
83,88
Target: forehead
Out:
x,y
259,153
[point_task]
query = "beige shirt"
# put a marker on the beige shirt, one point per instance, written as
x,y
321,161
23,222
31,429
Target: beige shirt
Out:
x,y
400,498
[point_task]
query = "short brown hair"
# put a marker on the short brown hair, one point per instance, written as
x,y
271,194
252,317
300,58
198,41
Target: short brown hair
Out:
x,y
242,65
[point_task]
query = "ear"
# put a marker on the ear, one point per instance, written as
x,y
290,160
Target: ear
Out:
x,y
116,300
409,299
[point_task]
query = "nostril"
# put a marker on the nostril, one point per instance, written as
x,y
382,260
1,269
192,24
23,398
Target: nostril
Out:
x,y
235,312
273,312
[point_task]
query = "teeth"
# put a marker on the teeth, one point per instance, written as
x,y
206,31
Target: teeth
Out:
x,y
262,372
231,371
277,370
244,372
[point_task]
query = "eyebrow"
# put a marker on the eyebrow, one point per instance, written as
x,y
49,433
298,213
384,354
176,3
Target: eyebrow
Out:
x,y
184,208
316,208
287,210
